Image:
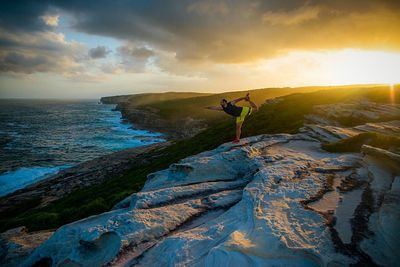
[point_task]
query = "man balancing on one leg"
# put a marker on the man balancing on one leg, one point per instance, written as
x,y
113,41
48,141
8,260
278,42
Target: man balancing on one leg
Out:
x,y
239,112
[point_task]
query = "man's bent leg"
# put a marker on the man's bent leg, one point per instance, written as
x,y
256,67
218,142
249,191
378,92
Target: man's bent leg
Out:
x,y
253,105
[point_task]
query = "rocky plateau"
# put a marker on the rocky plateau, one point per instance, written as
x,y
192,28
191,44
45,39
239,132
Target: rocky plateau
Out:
x,y
272,200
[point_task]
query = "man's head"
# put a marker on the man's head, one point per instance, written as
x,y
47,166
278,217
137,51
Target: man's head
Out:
x,y
224,102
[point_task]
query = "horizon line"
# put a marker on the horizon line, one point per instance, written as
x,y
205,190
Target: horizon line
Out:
x,y
168,91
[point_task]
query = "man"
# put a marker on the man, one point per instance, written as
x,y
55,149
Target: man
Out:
x,y
239,112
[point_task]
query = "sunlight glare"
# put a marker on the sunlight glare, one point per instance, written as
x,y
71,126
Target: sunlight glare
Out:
x,y
392,94
352,66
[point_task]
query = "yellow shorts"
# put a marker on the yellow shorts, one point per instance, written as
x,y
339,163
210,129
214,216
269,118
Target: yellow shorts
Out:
x,y
246,111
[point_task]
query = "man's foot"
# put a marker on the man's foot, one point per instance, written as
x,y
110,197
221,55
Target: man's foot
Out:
x,y
236,141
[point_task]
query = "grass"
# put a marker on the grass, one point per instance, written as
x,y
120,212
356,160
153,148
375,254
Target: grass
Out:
x,y
174,109
354,143
150,98
194,107
285,116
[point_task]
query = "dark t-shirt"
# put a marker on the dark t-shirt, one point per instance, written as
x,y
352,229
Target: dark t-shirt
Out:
x,y
232,110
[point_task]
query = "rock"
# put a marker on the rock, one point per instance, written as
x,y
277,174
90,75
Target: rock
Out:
x,y
278,200
16,244
357,110
381,154
389,127
330,134
222,207
149,119
383,243
114,99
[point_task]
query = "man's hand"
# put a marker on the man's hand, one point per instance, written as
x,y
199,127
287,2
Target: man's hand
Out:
x,y
247,97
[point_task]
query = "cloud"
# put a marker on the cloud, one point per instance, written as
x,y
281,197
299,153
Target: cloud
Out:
x,y
23,15
98,52
50,20
136,52
40,52
133,58
243,31
209,7
292,17
190,36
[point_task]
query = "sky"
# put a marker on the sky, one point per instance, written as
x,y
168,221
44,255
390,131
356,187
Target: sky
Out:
x,y
89,49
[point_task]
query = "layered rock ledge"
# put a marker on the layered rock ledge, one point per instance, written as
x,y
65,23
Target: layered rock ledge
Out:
x,y
272,200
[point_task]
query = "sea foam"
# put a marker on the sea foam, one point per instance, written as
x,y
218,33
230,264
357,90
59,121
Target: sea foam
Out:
x,y
13,180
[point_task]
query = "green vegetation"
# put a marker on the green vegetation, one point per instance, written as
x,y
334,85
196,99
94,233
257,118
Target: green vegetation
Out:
x,y
354,143
285,116
195,107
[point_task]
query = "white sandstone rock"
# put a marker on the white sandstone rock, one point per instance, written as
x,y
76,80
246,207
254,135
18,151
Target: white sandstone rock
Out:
x,y
271,202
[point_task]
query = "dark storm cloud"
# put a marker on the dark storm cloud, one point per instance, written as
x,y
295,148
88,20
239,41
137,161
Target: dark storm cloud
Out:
x,y
220,31
98,52
23,15
236,31
13,60
22,63
45,51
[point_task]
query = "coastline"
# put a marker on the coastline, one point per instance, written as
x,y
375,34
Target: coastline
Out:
x,y
38,186
195,176
149,119
91,130
85,174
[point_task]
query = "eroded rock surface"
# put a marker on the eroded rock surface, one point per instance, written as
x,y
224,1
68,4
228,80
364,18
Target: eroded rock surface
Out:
x,y
16,244
274,200
327,122
362,110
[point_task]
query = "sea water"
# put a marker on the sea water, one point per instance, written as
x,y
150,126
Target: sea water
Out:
x,y
39,138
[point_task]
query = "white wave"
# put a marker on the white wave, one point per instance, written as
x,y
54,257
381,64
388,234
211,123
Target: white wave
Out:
x,y
13,180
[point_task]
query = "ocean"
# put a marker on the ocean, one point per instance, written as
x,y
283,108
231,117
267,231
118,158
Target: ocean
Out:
x,y
39,138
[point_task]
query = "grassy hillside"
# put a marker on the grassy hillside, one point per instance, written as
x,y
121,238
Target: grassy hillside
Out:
x,y
147,99
194,107
285,116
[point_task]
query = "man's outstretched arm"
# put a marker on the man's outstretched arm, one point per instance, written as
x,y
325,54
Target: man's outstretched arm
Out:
x,y
247,98
238,100
214,108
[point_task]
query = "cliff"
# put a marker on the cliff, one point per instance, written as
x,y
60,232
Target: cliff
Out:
x,y
114,99
149,119
274,199
135,108
183,115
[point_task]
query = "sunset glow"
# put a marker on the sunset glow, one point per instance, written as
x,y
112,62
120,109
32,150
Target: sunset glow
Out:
x,y
67,50
392,94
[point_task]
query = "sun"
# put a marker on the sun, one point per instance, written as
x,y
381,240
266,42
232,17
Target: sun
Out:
x,y
353,66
